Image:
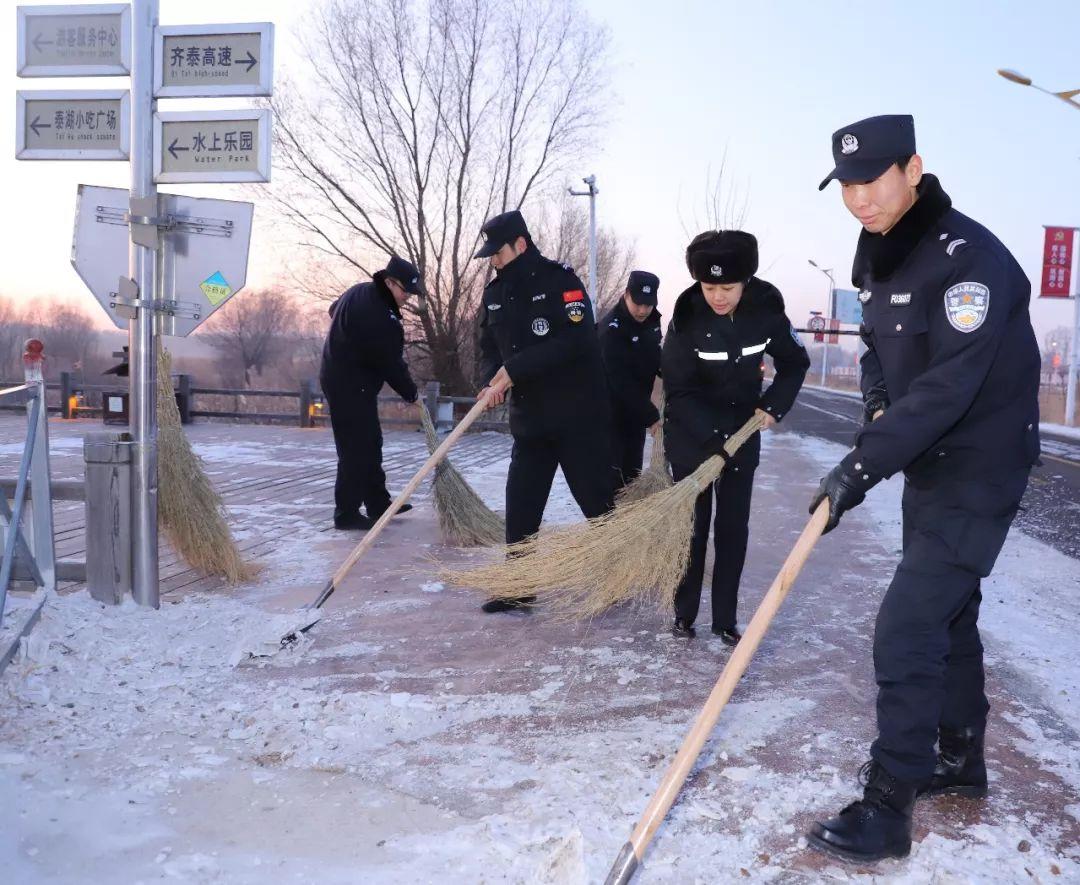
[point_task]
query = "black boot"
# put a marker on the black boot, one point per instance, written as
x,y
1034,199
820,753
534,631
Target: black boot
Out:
x,y
728,635
961,767
875,827
682,630
352,522
494,606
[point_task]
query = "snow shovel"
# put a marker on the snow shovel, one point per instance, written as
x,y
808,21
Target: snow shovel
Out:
x,y
630,857
369,539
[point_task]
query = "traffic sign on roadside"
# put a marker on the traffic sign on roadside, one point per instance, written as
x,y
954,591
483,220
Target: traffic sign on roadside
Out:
x,y
214,60
73,124
212,146
79,40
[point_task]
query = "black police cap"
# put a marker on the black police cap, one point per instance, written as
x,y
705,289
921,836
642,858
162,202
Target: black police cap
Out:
x,y
727,256
405,273
499,231
643,287
864,150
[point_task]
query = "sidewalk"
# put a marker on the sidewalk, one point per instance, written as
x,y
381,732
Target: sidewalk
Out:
x,y
412,739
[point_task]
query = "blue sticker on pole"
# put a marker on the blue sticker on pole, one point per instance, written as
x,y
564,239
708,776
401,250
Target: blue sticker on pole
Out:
x,y
216,289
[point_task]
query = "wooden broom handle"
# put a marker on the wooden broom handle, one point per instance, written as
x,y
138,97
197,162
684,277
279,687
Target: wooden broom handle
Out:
x,y
438,455
740,659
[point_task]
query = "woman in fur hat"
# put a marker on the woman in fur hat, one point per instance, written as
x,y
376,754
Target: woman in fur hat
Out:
x,y
713,368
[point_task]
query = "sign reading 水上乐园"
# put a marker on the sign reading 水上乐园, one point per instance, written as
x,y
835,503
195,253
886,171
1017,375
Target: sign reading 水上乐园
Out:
x,y
212,146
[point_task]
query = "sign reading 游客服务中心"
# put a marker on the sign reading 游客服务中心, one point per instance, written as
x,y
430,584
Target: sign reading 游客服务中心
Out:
x,y
79,40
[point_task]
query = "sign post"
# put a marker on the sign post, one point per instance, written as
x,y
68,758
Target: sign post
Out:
x,y
1057,283
83,40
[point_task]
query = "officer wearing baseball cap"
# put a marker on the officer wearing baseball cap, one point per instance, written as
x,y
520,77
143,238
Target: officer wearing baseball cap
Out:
x,y
950,379
721,329
630,344
365,349
538,342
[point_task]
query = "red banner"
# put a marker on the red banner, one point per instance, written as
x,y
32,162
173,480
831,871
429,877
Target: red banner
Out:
x,y
1057,262
834,325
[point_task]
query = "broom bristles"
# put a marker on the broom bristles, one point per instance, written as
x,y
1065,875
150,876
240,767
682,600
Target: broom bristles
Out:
x,y
638,552
464,519
189,507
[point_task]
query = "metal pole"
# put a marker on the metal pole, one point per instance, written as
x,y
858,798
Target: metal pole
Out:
x,y
591,182
1074,364
143,269
828,325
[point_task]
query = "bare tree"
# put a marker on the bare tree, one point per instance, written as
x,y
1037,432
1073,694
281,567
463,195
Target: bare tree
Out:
x,y
566,239
422,120
252,330
720,206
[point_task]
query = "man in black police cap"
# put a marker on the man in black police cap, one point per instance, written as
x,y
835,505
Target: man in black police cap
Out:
x,y
538,341
950,381
365,349
630,344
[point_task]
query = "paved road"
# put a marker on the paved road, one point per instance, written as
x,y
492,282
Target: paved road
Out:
x,y
1052,502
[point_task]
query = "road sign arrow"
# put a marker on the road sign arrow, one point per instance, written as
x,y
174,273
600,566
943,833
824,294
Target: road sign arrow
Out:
x,y
37,124
250,61
38,42
173,149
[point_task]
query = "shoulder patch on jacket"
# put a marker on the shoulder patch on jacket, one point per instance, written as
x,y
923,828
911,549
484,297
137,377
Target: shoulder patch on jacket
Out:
x,y
954,245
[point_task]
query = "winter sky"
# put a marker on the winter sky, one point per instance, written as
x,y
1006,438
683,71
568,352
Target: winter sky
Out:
x,y
765,81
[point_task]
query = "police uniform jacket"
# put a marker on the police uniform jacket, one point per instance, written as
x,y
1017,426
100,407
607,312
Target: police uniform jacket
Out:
x,y
631,352
951,353
365,346
712,369
536,320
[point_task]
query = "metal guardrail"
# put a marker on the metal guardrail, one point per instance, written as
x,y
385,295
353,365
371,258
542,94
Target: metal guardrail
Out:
x,y
33,557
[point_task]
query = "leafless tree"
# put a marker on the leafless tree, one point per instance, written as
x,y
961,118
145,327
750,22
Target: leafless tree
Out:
x,y
566,238
721,205
251,331
420,121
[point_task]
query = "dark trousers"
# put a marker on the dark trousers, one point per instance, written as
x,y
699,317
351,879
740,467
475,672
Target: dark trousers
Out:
x,y
731,530
586,463
627,452
928,656
358,439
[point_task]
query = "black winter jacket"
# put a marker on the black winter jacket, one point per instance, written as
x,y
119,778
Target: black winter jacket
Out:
x,y
365,346
712,369
631,352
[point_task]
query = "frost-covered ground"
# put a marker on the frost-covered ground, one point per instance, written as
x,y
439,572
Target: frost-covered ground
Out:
x,y
412,739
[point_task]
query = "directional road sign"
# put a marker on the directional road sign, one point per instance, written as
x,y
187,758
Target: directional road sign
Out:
x,y
204,254
212,146
214,60
74,41
74,124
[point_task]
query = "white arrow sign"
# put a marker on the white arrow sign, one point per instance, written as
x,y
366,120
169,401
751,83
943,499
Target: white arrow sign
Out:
x,y
74,124
212,146
84,40
214,60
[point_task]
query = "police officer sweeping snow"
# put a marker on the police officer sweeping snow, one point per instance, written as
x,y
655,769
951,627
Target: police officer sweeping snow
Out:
x,y
952,372
538,335
364,350
720,331
630,344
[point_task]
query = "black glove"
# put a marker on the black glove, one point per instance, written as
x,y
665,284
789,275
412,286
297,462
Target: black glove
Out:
x,y
845,486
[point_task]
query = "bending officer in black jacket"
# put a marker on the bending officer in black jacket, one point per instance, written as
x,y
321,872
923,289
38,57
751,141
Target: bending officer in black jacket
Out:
x,y
538,341
720,331
630,344
365,349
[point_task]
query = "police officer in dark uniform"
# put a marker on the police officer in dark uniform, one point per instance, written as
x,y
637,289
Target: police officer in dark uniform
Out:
x,y
538,340
630,344
952,372
364,350
720,331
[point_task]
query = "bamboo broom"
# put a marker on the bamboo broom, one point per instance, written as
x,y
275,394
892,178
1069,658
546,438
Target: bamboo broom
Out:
x,y
657,476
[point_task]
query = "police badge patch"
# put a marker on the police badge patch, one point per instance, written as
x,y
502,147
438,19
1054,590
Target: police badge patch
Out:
x,y
966,306
540,326
575,311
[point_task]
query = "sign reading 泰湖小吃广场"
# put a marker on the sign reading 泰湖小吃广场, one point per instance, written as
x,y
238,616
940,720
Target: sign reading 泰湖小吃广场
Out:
x,y
75,124
214,60
212,146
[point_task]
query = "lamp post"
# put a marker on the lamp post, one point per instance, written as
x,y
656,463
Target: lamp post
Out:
x,y
1068,97
591,194
829,311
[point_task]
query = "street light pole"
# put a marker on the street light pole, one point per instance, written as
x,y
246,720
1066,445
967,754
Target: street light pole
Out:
x,y
1068,97
829,311
591,194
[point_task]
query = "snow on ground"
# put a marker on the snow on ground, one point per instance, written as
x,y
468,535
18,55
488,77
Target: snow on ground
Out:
x,y
410,739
